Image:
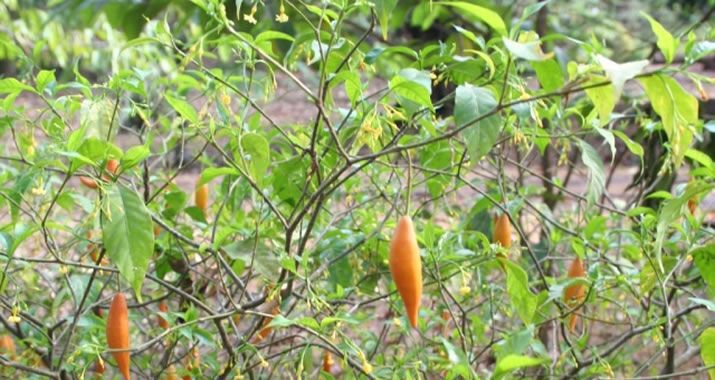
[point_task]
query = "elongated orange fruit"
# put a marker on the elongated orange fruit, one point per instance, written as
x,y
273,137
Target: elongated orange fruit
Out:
x,y
406,267
327,361
88,182
201,197
7,345
266,330
692,205
502,231
112,166
118,333
574,294
163,323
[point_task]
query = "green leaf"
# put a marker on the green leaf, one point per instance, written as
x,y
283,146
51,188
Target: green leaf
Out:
x,y
413,85
183,108
699,157
704,258
384,10
671,211
281,321
710,305
210,173
707,349
515,344
353,87
96,115
256,155
513,362
603,98
701,50
632,146
134,156
517,286
44,79
11,85
596,177
649,275
677,109
549,73
665,41
127,234
270,35
471,103
487,16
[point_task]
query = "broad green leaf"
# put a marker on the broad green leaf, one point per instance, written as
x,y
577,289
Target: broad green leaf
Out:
x,y
353,87
596,178
515,344
603,98
134,156
413,85
677,109
514,362
384,9
670,212
665,41
485,15
12,85
549,73
44,79
210,173
707,349
704,258
183,108
256,154
95,117
699,157
517,286
632,146
471,103
127,234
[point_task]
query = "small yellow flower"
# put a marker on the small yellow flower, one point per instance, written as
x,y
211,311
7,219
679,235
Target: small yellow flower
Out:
x,y
397,322
250,17
264,363
464,290
282,16
15,316
39,190
366,366
225,100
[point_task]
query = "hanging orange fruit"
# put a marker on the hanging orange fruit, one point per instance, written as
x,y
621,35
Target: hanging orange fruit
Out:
x,y
406,267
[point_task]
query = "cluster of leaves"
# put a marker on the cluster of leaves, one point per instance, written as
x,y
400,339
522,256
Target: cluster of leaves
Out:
x,y
317,124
